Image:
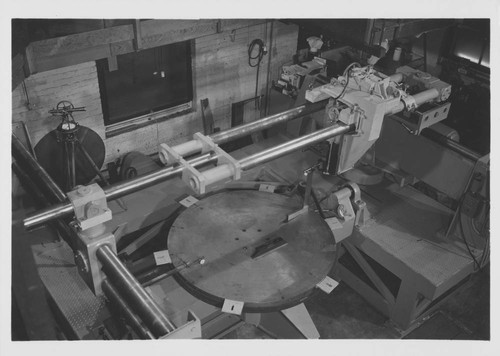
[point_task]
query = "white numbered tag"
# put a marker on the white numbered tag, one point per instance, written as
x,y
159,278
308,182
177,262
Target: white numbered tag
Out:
x,y
188,201
267,188
327,285
162,257
232,307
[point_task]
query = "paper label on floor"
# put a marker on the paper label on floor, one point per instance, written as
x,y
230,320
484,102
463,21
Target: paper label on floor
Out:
x,y
232,307
334,223
188,201
162,257
267,188
327,285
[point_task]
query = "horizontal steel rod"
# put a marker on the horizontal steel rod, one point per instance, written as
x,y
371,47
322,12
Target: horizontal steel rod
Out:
x,y
267,122
420,98
35,192
133,293
293,145
450,144
192,147
115,191
121,189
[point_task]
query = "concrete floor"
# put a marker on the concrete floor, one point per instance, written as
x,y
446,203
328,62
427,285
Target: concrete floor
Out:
x,y
344,314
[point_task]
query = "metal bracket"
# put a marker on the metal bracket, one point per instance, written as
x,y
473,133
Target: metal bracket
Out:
x,y
305,207
90,206
227,166
190,330
86,260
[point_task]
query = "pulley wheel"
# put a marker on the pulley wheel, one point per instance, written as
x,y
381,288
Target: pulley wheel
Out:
x,y
251,254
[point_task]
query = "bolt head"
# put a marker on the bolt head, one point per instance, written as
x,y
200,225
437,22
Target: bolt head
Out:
x,y
83,190
81,262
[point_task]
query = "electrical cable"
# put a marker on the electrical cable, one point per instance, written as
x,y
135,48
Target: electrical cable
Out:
x,y
486,250
347,72
260,53
258,57
460,223
465,240
318,205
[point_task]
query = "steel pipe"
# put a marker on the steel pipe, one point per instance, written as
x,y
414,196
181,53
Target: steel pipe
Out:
x,y
419,98
124,188
290,146
267,122
67,234
133,320
194,146
38,173
139,300
115,191
450,144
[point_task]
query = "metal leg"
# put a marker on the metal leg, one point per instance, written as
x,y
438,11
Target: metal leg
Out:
x,y
96,169
403,312
292,323
70,151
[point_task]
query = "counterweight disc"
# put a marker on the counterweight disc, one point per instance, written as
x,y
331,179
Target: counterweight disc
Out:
x,y
50,154
251,253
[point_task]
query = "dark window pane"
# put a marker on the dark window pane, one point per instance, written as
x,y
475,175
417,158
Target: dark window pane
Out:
x,y
469,45
485,61
146,81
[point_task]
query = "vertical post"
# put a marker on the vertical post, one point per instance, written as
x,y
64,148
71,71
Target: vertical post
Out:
x,y
425,51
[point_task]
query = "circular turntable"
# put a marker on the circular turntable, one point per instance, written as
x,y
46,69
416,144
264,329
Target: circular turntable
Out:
x,y
251,253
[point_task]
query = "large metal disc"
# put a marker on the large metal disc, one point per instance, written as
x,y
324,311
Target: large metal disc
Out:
x,y
229,229
50,155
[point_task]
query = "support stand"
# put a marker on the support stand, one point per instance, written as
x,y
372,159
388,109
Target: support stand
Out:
x,y
67,134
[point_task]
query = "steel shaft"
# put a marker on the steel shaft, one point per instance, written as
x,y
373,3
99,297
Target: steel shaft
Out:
x,y
293,145
127,312
194,146
451,144
138,299
115,191
39,174
130,186
265,123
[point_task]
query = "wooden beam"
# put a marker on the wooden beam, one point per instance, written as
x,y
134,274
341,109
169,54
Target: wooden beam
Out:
x,y
113,41
234,24
79,48
162,32
137,35
45,63
365,266
112,63
76,42
17,70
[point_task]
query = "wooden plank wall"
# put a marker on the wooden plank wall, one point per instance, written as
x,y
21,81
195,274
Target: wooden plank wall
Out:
x,y
221,74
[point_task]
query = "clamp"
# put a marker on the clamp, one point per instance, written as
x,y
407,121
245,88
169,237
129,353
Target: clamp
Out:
x,y
227,168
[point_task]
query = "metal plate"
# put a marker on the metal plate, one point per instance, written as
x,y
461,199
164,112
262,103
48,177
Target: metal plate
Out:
x,y
227,228
50,154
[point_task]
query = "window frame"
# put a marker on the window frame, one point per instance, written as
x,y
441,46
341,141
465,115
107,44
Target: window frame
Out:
x,y
152,118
